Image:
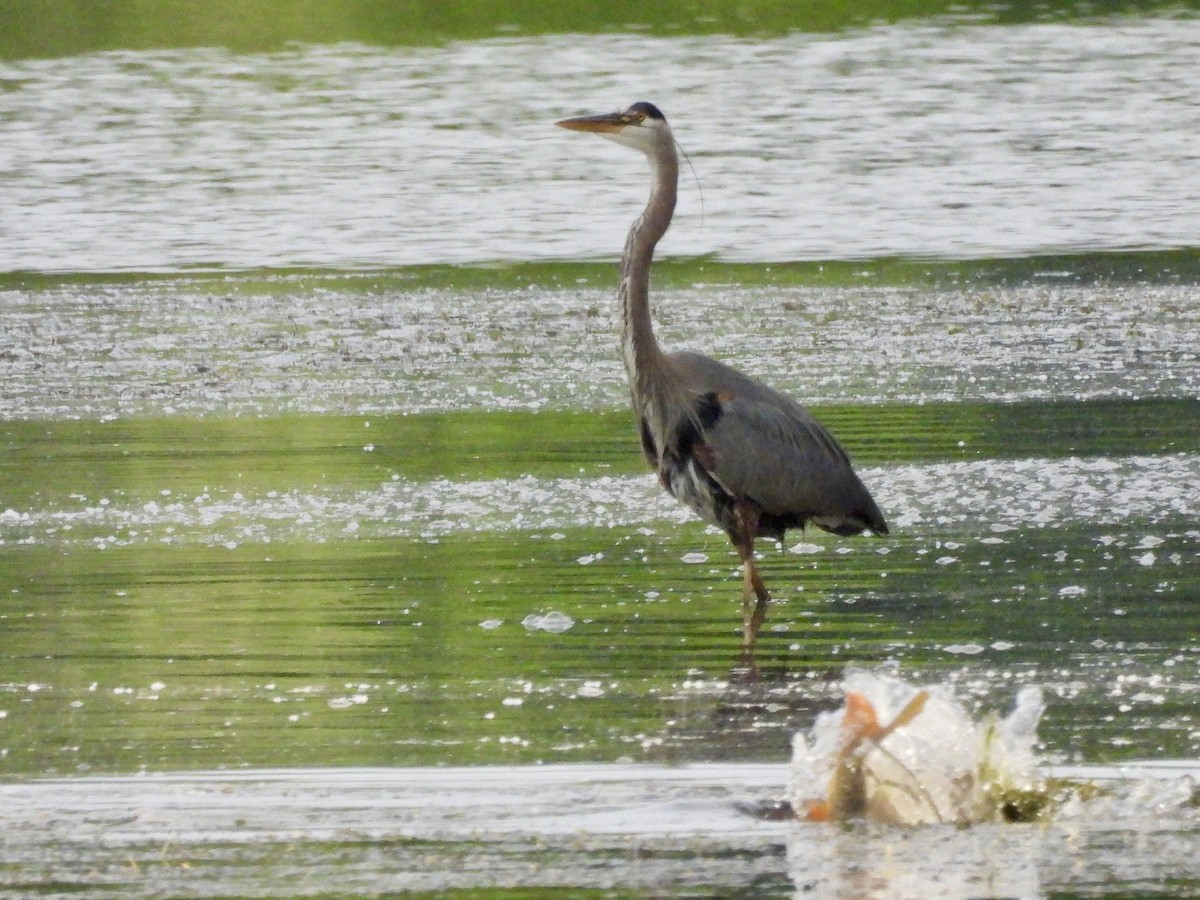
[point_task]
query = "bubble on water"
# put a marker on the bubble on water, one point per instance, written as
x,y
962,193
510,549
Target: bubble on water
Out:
x,y
554,622
491,624
804,548
964,649
694,557
591,689
347,702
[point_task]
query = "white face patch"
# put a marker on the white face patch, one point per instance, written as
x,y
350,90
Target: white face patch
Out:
x,y
642,136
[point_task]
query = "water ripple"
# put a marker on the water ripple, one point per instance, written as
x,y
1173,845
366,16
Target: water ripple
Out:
x,y
989,496
216,346
917,140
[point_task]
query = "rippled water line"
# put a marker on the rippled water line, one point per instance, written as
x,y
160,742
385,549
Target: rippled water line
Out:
x,y
198,347
918,140
988,496
634,827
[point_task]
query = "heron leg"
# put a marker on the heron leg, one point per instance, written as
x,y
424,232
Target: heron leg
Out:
x,y
762,598
754,593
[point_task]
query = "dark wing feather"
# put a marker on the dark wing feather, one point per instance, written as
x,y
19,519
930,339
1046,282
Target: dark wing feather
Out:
x,y
765,448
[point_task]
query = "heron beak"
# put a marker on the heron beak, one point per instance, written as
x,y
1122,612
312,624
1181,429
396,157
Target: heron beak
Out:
x,y
605,124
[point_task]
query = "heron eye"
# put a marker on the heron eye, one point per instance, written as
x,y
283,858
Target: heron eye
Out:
x,y
641,117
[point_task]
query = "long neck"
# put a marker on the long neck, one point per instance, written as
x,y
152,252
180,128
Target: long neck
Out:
x,y
641,350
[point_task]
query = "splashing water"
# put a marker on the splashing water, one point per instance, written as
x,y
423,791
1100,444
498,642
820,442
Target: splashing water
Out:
x,y
900,755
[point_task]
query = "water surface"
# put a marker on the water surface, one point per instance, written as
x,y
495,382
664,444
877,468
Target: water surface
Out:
x,y
578,831
311,343
942,140
260,522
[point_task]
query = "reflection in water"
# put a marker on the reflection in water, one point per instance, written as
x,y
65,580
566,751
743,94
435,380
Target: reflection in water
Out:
x,y
942,863
1141,822
376,652
911,140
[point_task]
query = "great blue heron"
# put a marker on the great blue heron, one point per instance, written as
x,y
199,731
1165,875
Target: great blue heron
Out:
x,y
739,453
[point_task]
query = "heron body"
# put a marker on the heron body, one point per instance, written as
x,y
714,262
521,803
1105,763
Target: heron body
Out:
x,y
742,455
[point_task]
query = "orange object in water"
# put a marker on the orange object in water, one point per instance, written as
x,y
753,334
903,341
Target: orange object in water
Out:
x,y
860,721
817,811
847,795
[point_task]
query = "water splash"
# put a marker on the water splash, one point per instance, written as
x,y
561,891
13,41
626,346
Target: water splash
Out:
x,y
896,754
900,755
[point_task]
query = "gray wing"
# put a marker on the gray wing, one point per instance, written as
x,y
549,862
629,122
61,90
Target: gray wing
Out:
x,y
763,447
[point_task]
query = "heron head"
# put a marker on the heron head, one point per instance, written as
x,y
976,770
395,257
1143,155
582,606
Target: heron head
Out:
x,y
642,126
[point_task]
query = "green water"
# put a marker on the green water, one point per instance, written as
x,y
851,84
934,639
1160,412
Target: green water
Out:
x,y
144,645
55,27
270,507
373,653
139,457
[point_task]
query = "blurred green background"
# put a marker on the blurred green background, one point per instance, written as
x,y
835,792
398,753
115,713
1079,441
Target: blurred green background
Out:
x,y
30,28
